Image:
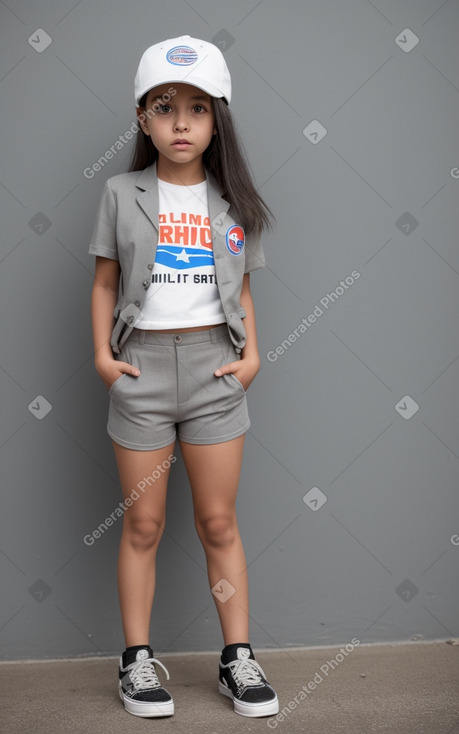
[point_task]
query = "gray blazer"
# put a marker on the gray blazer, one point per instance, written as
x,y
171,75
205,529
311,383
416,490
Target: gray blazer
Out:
x,y
126,229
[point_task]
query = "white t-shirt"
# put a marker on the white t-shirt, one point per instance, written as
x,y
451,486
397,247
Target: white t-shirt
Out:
x,y
184,290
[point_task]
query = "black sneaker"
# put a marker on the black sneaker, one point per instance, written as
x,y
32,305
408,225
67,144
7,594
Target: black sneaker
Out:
x,y
243,680
139,687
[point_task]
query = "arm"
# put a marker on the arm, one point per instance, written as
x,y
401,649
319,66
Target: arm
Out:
x,y
103,302
247,367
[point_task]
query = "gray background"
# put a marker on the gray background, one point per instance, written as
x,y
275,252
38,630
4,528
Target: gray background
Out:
x,y
377,194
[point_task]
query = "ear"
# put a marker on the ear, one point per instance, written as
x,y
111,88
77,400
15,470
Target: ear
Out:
x,y
142,118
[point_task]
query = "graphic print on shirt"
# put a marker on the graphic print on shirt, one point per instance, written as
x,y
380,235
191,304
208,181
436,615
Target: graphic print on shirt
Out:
x,y
185,241
184,290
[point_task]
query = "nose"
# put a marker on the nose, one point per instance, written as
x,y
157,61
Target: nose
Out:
x,y
181,122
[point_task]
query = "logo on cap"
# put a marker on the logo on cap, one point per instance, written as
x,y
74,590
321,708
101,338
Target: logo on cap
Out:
x,y
235,239
182,56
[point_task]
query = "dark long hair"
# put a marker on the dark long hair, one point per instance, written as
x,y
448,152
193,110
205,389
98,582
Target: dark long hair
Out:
x,y
225,160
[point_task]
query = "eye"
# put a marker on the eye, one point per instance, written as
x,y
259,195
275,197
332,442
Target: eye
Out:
x,y
199,108
164,108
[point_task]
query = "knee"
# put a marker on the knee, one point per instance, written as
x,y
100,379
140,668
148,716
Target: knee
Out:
x,y
142,533
218,531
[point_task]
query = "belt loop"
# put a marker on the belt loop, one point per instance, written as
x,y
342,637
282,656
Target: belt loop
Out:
x,y
217,332
142,336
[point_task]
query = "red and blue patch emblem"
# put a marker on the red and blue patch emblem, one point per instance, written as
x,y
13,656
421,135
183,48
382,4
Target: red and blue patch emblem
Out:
x,y
235,239
182,56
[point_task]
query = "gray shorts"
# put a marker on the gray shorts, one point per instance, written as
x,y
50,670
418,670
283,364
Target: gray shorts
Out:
x,y
177,392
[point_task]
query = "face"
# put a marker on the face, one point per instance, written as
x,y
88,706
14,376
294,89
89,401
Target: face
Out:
x,y
180,120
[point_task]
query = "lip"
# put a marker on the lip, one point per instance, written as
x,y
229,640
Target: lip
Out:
x,y
181,143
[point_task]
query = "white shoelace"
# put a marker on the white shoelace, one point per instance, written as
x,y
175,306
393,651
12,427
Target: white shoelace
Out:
x,y
143,674
246,672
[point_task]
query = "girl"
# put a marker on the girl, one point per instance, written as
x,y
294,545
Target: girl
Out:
x,y
175,240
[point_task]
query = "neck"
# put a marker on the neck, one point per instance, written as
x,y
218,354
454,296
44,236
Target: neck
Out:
x,y
182,174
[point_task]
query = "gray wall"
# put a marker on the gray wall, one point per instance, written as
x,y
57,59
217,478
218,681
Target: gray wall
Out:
x,y
348,499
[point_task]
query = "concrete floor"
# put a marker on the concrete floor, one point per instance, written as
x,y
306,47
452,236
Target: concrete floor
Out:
x,y
410,688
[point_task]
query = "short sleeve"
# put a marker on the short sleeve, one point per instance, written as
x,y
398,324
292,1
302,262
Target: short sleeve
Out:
x,y
103,238
254,255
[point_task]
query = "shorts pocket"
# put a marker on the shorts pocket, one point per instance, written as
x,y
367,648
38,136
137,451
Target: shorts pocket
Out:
x,y
230,355
114,386
123,356
235,379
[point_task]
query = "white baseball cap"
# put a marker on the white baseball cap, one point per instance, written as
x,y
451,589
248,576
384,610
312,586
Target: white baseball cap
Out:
x,y
187,60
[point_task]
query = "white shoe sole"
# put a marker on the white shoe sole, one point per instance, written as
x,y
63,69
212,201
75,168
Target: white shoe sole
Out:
x,y
250,709
148,710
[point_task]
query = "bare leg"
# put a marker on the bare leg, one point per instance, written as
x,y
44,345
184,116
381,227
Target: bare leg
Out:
x,y
214,471
143,525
